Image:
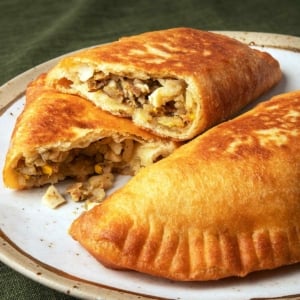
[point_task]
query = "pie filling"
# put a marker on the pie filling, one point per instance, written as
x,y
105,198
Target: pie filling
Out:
x,y
158,102
101,158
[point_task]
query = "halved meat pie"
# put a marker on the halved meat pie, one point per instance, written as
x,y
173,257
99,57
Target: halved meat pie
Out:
x,y
175,83
60,135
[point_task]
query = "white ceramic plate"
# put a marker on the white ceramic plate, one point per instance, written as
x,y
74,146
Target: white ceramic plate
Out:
x,y
34,239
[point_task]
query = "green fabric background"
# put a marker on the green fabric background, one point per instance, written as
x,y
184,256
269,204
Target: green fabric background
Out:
x,y
32,32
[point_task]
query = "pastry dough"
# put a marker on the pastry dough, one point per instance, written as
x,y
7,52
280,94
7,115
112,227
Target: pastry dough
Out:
x,y
59,135
175,82
225,204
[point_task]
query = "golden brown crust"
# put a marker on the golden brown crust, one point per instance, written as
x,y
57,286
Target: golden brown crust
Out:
x,y
222,74
225,204
52,120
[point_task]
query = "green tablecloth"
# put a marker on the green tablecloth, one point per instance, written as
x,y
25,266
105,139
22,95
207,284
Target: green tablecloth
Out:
x,y
32,32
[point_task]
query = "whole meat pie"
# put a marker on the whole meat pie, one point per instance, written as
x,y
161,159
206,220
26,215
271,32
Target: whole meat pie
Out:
x,y
175,82
225,204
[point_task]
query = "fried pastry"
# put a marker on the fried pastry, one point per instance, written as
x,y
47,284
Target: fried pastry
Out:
x,y
175,83
59,135
225,204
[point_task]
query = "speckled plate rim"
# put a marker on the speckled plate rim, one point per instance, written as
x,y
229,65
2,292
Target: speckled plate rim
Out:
x,y
18,260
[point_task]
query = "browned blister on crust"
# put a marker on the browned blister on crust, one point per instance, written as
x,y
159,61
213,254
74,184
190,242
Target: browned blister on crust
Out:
x,y
175,83
225,204
60,135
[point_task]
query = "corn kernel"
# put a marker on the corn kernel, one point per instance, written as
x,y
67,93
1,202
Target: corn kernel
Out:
x,y
192,117
47,170
98,169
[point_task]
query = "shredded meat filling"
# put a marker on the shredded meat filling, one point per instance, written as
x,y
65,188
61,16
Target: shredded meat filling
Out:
x,y
92,189
92,167
163,99
101,156
108,155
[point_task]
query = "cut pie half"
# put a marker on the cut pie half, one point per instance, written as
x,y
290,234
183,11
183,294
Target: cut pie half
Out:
x,y
59,136
175,83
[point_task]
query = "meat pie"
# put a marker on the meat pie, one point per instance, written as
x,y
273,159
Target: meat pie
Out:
x,y
225,204
60,135
175,83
